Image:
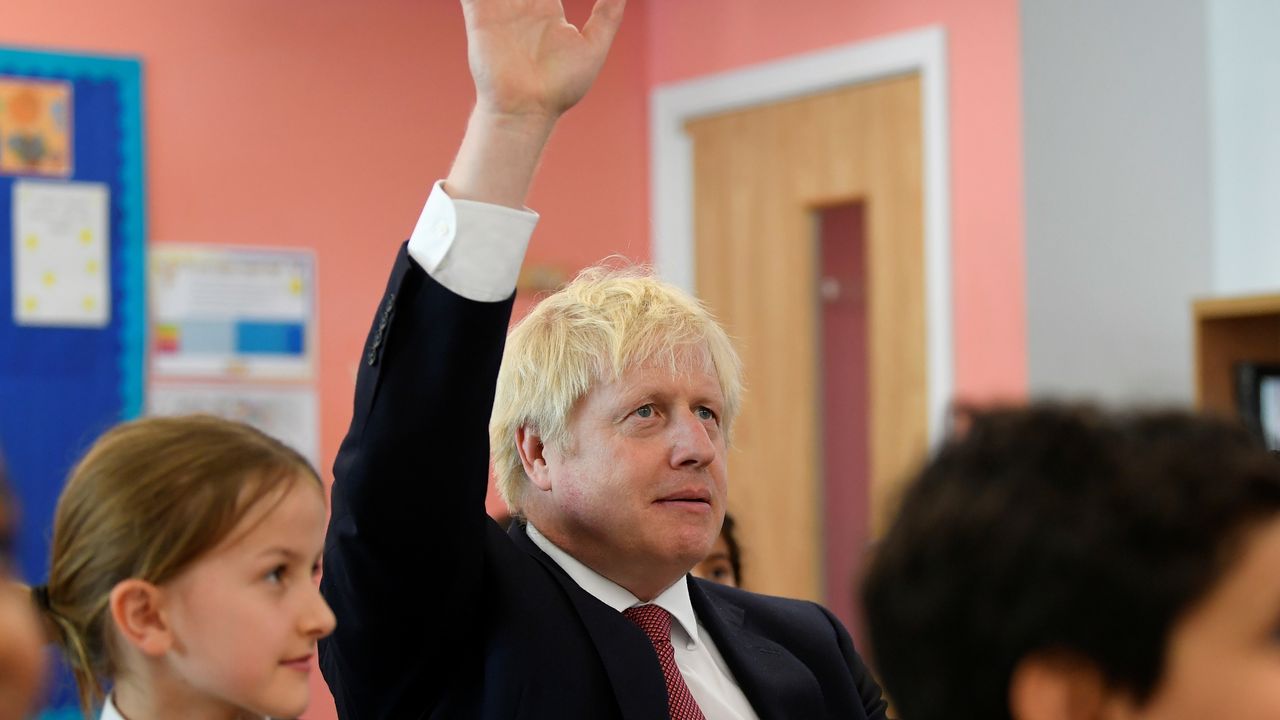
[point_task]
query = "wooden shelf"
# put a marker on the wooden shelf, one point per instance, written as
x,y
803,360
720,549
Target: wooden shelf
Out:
x,y
1228,331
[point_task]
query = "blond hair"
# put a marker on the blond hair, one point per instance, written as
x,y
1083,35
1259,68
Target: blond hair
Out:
x,y
606,321
148,499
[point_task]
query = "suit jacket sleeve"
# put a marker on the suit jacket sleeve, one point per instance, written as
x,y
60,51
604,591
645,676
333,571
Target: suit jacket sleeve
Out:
x,y
869,692
404,557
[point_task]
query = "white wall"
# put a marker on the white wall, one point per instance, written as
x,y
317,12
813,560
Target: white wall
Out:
x,y
1244,77
1116,143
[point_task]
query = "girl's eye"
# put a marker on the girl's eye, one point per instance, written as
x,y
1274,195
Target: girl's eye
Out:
x,y
644,411
276,576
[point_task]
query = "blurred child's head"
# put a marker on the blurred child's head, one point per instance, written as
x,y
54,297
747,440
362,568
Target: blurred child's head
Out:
x,y
724,563
1064,562
21,659
184,553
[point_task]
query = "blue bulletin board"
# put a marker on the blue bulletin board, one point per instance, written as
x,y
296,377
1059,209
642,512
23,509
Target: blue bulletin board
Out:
x,y
72,271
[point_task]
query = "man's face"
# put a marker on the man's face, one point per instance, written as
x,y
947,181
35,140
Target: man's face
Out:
x,y
1224,657
639,492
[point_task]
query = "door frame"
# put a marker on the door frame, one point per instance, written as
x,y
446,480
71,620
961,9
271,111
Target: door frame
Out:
x,y
923,51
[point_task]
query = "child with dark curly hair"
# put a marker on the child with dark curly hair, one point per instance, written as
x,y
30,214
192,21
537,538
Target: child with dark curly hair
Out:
x,y
1063,562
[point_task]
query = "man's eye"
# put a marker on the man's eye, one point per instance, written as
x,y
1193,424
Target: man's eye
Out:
x,y
706,413
644,411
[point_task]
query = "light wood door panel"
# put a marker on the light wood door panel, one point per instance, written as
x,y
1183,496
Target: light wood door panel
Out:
x,y
759,176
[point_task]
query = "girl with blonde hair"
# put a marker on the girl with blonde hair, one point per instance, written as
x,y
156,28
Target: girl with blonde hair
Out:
x,y
183,576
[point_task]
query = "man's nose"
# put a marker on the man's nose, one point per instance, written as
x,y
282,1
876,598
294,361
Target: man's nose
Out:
x,y
691,442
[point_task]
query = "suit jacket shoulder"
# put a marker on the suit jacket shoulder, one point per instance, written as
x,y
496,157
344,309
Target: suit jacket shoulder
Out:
x,y
792,658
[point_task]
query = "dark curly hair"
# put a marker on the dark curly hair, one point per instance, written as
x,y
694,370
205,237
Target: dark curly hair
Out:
x,y
1063,529
728,531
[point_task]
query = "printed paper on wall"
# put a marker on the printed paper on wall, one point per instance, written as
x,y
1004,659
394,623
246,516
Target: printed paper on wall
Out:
x,y
61,250
35,127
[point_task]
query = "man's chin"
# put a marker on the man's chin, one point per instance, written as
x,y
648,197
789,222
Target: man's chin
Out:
x,y
690,552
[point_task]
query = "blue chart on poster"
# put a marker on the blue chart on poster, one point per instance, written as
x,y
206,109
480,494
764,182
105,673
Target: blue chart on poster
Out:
x,y
72,273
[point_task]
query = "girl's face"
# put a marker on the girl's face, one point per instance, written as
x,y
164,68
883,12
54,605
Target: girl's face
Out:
x,y
246,616
716,566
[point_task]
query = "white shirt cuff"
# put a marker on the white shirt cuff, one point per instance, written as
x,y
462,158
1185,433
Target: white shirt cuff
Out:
x,y
484,266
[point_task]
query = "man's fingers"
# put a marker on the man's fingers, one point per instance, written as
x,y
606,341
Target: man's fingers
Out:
x,y
603,24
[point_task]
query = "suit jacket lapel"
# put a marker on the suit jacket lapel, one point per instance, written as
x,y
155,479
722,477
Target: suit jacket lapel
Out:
x,y
627,655
778,685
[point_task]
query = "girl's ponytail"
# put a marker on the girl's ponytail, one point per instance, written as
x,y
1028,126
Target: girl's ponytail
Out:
x,y
70,639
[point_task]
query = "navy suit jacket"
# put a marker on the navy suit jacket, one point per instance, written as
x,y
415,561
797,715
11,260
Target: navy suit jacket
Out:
x,y
442,614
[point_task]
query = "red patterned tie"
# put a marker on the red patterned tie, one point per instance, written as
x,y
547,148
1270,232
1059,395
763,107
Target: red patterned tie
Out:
x,y
656,623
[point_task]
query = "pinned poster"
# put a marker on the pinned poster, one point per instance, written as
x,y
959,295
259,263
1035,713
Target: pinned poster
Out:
x,y
61,246
288,413
232,313
35,127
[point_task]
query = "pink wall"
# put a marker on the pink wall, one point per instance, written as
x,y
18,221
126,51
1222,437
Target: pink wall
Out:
x,y
270,125
323,123
690,38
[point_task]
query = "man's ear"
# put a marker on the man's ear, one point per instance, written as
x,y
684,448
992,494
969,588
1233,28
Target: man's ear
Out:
x,y
137,608
1056,686
533,456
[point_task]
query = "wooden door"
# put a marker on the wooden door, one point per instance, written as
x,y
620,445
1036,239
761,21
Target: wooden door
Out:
x,y
760,177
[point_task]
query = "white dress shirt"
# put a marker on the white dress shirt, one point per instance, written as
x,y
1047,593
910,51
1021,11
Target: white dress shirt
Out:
x,y
485,268
703,668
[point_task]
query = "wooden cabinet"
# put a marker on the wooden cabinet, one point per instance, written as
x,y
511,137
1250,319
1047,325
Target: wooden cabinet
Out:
x,y
1229,331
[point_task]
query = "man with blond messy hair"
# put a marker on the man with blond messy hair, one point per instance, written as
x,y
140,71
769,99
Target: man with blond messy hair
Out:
x,y
624,344
614,403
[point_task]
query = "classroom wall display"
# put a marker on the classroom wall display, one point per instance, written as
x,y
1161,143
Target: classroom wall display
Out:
x,y
35,126
72,273
231,313
289,413
233,334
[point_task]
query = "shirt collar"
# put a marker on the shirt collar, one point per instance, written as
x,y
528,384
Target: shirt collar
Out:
x,y
675,599
109,711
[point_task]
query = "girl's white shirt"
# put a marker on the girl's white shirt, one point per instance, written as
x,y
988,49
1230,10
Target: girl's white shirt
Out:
x,y
110,712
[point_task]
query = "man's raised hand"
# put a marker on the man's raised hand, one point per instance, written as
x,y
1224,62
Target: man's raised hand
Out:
x,y
528,61
530,66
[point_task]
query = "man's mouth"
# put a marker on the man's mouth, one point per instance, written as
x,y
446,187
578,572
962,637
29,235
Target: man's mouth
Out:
x,y
690,497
